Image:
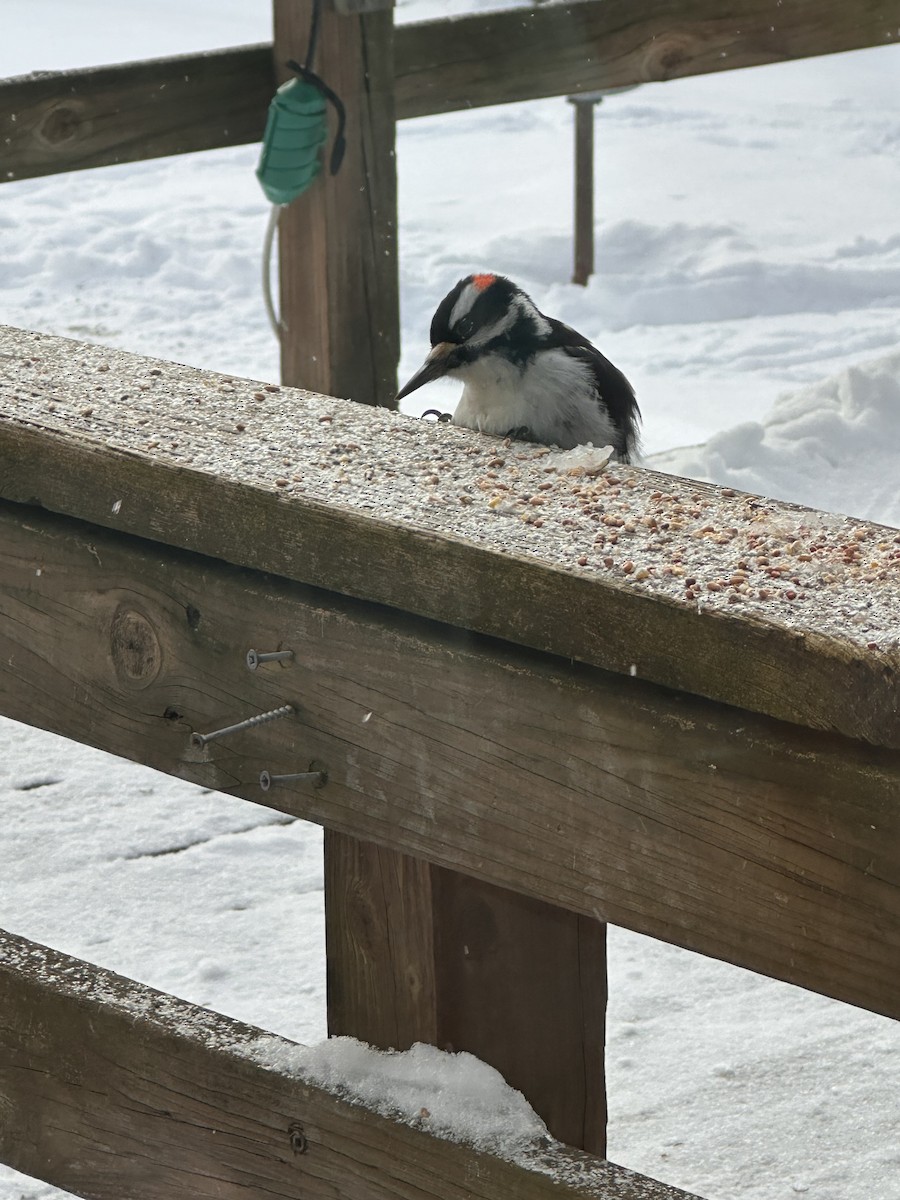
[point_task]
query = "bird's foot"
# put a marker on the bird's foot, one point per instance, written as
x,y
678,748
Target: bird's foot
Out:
x,y
521,433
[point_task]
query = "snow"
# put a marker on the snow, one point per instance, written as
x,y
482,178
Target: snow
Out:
x,y
748,242
450,1095
582,460
835,443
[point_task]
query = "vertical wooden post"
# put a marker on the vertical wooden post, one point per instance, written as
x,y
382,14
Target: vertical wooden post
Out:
x,y
584,185
379,934
338,241
417,953
421,953
522,985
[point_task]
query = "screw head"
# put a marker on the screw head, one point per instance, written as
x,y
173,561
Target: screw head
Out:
x,y
316,766
298,1140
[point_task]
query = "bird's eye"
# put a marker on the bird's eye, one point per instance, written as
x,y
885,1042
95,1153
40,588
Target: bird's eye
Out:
x,y
465,327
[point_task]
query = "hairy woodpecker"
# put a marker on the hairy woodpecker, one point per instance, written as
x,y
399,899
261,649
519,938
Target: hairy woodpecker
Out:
x,y
526,375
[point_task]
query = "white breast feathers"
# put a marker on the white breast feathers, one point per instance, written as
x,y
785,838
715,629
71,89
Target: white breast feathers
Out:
x,y
553,397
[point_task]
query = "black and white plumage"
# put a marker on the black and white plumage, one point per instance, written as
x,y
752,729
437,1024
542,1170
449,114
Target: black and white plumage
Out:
x,y
526,375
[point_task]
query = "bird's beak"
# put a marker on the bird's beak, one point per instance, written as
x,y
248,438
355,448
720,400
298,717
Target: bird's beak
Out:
x,y
435,365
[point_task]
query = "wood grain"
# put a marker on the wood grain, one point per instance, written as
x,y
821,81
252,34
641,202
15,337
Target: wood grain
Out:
x,y
110,1089
752,841
340,302
521,984
557,50
55,121
421,953
379,937
193,459
75,119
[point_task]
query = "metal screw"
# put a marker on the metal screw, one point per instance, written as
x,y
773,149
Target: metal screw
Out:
x,y
275,714
254,658
299,1143
319,778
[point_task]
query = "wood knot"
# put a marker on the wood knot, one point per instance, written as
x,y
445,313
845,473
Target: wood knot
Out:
x,y
666,53
135,648
62,123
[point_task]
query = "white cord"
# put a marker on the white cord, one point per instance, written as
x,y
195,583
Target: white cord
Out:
x,y
272,225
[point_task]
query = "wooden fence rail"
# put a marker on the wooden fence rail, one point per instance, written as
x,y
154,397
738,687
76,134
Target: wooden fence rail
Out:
x,y
112,1089
69,120
600,795
481,678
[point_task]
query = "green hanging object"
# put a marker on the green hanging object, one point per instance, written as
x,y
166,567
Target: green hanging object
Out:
x,y
296,129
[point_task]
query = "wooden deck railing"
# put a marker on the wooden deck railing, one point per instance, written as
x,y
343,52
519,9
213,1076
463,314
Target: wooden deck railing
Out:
x,y
543,701
68,120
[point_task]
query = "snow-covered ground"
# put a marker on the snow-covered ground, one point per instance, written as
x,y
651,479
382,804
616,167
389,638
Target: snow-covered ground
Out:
x,y
748,244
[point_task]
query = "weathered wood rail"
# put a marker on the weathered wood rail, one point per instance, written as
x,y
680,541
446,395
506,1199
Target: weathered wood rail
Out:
x,y
113,1089
630,698
69,120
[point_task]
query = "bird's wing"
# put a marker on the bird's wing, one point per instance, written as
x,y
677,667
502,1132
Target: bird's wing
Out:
x,y
613,389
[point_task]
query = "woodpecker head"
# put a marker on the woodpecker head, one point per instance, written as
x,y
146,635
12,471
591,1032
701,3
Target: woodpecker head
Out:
x,y
483,314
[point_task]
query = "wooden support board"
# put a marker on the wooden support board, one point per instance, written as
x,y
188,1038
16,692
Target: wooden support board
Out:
x,y
607,800
558,49
110,1089
74,119
759,843
340,335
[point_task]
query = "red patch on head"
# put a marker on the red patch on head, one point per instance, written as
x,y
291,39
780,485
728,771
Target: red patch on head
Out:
x,y
483,281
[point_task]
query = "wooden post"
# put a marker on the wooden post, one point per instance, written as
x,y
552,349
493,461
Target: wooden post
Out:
x,y
416,953
338,241
522,985
421,953
584,185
